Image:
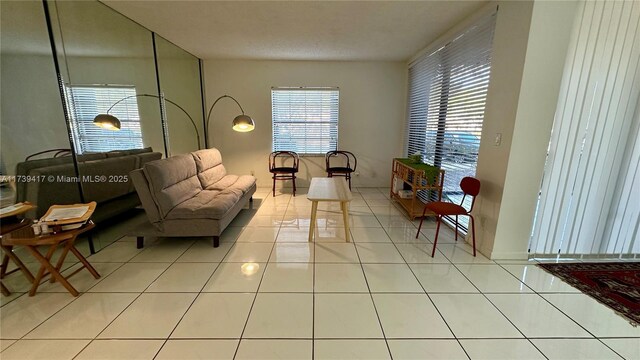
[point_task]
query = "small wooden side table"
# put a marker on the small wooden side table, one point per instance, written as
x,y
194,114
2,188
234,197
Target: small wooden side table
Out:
x,y
25,237
329,189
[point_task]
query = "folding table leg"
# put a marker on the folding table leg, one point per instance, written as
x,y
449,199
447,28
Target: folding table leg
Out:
x,y
46,264
5,291
84,262
63,256
9,253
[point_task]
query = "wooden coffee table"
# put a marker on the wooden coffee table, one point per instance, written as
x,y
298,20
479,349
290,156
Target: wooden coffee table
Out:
x,y
25,237
329,189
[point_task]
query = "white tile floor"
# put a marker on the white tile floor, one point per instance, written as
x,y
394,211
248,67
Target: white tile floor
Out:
x,y
266,293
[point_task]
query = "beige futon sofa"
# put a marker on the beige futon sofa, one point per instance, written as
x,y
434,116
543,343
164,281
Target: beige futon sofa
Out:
x,y
190,195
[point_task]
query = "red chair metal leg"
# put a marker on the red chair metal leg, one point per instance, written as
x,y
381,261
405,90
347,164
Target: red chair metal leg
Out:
x,y
435,241
456,227
473,234
421,220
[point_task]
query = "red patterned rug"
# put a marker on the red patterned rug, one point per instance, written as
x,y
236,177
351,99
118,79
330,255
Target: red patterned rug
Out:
x,y
617,285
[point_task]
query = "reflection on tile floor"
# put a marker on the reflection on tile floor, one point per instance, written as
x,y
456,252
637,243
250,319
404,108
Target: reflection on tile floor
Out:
x,y
267,293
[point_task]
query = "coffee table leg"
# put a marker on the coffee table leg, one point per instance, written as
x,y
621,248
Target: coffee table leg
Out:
x,y
46,264
345,217
312,225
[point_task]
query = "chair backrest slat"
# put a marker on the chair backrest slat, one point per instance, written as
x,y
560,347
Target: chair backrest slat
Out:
x,y
284,155
346,155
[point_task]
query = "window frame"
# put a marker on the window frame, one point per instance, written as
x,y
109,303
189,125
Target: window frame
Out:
x,y
333,144
443,102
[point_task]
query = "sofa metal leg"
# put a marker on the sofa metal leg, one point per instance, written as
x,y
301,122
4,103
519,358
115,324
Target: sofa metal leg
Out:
x,y
216,241
92,248
140,242
251,199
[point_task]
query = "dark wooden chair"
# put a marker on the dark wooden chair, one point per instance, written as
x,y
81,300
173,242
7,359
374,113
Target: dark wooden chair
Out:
x,y
345,168
283,165
470,186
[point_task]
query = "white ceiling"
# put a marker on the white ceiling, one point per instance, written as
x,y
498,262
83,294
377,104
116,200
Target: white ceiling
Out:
x,y
299,30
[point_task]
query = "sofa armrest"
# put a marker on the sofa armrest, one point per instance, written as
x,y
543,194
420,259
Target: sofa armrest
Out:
x,y
144,193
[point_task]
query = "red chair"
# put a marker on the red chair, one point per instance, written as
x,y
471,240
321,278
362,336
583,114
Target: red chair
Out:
x,y
470,186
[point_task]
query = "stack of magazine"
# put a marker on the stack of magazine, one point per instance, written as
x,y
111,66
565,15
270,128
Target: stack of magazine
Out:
x,y
68,217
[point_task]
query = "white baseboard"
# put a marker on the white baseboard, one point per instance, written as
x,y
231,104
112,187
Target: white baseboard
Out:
x,y
516,255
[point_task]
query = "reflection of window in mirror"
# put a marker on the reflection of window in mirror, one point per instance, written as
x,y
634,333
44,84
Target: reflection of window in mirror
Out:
x,y
87,101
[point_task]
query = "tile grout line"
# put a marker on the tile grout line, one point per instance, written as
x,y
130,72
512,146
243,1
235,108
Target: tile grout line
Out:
x,y
500,311
136,298
375,308
540,294
194,298
235,354
429,297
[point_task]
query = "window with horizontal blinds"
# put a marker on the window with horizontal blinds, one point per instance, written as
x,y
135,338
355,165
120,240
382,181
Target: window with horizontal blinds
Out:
x,y
87,101
447,96
305,120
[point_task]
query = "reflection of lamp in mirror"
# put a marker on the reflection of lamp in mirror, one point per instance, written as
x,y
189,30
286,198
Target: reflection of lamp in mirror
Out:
x,y
241,123
250,268
110,122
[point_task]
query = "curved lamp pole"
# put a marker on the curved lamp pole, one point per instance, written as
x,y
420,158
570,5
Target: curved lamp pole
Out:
x,y
111,122
241,123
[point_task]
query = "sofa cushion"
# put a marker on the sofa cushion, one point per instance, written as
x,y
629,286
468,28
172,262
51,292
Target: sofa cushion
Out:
x,y
172,181
118,153
209,165
106,179
243,183
208,204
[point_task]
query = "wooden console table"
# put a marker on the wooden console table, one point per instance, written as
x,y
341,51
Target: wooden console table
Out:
x,y
418,177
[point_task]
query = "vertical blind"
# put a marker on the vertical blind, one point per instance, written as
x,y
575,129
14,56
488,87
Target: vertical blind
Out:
x,y
590,197
305,120
447,95
87,101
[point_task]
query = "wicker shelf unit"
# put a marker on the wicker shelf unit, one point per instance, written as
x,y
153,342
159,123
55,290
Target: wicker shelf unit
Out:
x,y
418,177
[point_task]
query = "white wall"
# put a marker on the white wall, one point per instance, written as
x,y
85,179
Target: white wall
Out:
x,y
530,46
371,124
32,123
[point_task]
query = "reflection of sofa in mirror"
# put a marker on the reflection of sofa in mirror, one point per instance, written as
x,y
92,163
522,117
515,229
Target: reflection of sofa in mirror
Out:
x,y
104,178
190,195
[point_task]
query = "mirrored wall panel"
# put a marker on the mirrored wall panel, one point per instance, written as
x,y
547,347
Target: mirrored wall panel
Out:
x,y
34,138
179,74
108,68
88,95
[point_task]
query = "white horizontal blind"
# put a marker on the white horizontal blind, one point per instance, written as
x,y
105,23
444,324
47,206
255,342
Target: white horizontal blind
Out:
x,y
447,96
87,101
590,196
305,120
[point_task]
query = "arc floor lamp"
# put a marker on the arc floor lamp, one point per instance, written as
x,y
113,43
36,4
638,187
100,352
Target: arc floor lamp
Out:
x,y
241,123
110,122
